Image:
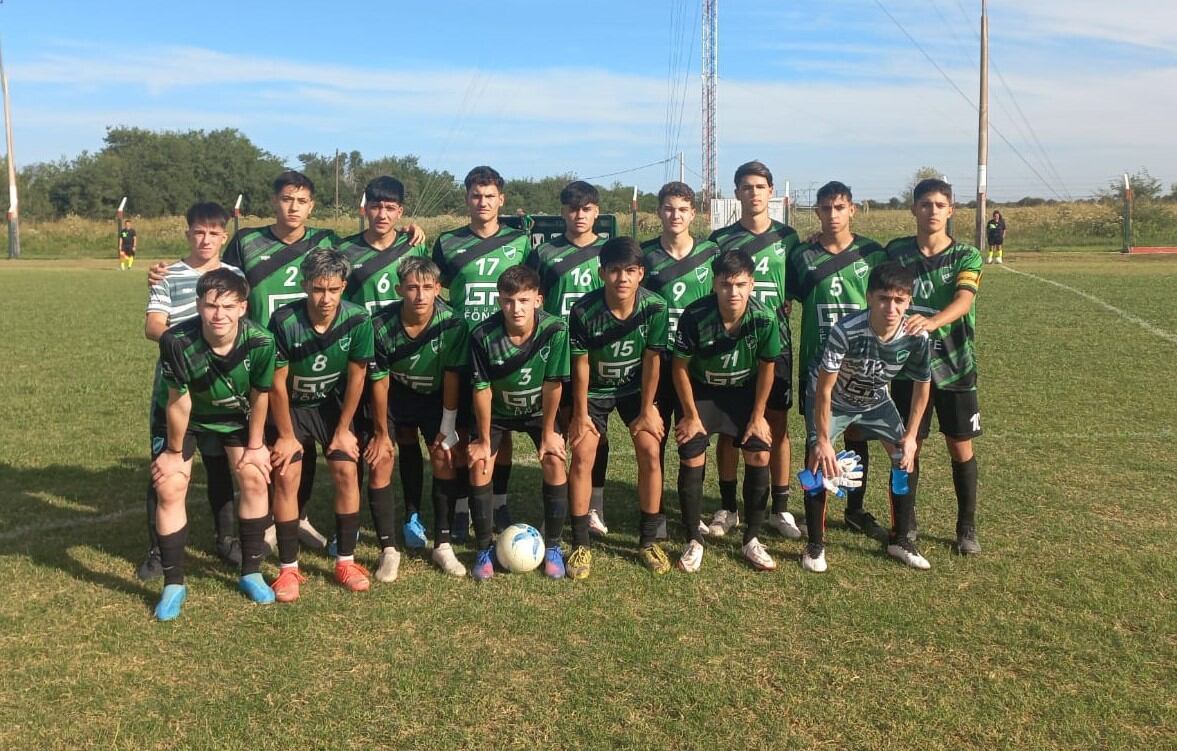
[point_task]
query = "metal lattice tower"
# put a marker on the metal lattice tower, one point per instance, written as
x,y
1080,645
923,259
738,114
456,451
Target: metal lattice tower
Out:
x,y
710,79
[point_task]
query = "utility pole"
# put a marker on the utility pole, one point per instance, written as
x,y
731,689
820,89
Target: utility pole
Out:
x,y
983,130
682,168
337,179
13,202
710,80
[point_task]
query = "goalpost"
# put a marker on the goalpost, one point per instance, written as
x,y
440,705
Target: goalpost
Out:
x,y
1129,247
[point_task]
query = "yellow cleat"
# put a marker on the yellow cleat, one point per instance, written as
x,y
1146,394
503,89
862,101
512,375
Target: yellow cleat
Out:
x,y
654,558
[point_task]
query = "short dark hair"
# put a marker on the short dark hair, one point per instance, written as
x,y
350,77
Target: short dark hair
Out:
x,y
418,266
222,281
676,190
325,263
733,263
293,178
207,212
891,275
834,189
384,188
579,193
483,175
754,168
621,251
518,278
931,185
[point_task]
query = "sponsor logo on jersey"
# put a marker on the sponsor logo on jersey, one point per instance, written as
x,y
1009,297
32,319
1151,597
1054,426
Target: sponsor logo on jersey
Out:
x,y
617,372
309,388
735,378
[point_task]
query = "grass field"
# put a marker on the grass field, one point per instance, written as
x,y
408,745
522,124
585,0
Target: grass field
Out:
x,y
1062,635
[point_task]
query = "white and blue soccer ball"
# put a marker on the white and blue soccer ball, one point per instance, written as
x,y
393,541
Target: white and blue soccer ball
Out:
x,y
520,548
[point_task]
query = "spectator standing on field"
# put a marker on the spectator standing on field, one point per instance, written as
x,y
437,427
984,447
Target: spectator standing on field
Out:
x,y
128,242
995,232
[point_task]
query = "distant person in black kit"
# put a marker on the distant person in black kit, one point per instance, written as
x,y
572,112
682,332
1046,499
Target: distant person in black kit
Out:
x,y
995,230
127,244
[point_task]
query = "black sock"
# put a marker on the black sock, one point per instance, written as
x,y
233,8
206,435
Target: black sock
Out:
x,y
555,509
902,514
690,499
856,496
171,555
815,516
727,495
412,468
964,480
443,495
220,494
780,498
347,527
381,502
287,540
253,543
306,484
461,489
480,514
580,532
756,481
500,477
151,500
601,462
648,530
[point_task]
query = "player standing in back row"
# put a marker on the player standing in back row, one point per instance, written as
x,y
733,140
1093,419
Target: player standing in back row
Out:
x,y
768,242
948,275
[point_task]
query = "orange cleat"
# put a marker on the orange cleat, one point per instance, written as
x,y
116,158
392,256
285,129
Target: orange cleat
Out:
x,y
286,585
352,576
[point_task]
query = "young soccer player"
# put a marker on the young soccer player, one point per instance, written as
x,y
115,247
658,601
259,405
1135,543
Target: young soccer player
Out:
x,y
471,259
948,276
995,235
828,276
422,350
128,242
324,345
218,368
520,357
768,242
567,268
172,301
725,351
863,353
617,335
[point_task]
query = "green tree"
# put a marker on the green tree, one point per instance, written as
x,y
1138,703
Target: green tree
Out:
x,y
923,173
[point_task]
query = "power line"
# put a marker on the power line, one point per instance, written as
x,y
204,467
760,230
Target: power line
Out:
x,y
627,171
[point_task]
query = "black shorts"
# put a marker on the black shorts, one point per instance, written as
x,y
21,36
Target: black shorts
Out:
x,y
210,442
781,396
533,426
958,413
313,425
629,408
128,252
207,441
722,410
408,409
667,398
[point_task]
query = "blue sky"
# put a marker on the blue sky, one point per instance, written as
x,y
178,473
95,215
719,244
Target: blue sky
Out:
x,y
818,90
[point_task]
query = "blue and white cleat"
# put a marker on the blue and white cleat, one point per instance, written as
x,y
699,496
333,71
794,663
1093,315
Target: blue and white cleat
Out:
x,y
170,602
255,588
554,563
415,536
484,566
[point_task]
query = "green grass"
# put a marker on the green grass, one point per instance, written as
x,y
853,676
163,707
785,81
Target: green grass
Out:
x,y
1061,635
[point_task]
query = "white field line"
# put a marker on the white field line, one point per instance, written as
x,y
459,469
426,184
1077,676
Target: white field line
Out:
x,y
1146,325
1114,435
36,529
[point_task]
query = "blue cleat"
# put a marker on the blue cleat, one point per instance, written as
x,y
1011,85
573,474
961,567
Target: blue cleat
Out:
x,y
256,589
554,563
484,567
415,533
170,602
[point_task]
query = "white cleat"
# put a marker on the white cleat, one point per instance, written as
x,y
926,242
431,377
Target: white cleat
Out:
x,y
814,558
786,525
757,556
1000,261
443,556
723,522
596,524
388,566
692,557
309,537
904,551
271,538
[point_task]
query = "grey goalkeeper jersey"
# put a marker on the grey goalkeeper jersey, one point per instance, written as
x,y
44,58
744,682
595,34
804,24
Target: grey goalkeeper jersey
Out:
x,y
866,364
175,294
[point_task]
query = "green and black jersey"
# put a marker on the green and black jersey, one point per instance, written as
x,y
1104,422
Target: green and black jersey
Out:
x,y
317,362
420,362
718,358
615,347
471,267
516,374
680,282
219,385
938,278
272,267
373,278
567,272
770,252
828,286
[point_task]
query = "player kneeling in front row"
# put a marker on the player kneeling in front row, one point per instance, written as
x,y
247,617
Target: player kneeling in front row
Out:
x,y
863,353
724,353
218,368
520,359
324,345
422,349
616,336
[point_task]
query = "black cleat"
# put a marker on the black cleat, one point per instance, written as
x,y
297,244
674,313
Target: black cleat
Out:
x,y
151,567
229,551
966,541
861,520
